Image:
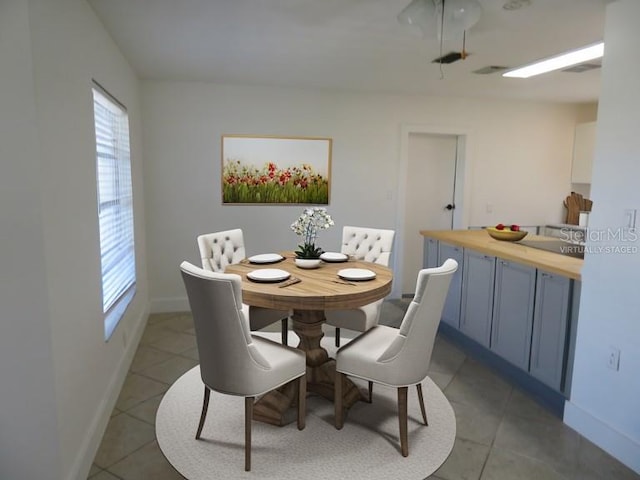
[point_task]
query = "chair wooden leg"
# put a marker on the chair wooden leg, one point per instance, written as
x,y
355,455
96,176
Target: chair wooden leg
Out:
x,y
285,331
302,401
402,418
337,337
370,392
205,407
248,417
337,401
421,400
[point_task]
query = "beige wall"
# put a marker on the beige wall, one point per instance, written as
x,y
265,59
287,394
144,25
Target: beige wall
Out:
x,y
587,112
603,405
519,155
29,446
59,47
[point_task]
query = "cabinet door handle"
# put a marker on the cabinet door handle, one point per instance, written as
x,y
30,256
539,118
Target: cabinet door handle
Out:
x,y
487,257
504,262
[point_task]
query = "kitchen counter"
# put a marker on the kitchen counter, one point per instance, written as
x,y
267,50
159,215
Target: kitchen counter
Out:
x,y
568,226
513,306
480,241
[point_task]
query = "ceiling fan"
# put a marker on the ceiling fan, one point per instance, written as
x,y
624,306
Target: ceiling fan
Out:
x,y
442,19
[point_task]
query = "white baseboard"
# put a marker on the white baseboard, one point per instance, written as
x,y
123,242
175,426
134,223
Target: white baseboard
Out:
x,y
90,445
620,446
169,304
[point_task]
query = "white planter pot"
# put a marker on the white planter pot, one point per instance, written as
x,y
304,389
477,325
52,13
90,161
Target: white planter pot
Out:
x,y
307,262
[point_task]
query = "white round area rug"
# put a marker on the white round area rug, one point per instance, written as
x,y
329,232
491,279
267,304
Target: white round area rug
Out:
x,y
367,447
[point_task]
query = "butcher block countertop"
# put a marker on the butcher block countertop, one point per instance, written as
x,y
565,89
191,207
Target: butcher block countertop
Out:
x,y
480,241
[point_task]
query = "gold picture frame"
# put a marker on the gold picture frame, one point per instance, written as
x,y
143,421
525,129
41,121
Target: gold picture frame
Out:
x,y
273,170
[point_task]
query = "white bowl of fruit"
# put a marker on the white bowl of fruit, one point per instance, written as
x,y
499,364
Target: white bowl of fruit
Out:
x,y
509,233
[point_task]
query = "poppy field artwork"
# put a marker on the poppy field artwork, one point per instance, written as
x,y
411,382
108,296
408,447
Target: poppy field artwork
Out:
x,y
275,170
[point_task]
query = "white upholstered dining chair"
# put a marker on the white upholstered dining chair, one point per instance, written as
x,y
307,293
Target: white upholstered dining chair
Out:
x,y
371,245
232,361
219,249
399,357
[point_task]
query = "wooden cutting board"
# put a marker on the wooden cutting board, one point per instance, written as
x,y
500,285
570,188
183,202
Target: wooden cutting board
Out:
x,y
588,205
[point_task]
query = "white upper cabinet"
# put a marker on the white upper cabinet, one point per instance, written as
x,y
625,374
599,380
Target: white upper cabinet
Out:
x,y
583,149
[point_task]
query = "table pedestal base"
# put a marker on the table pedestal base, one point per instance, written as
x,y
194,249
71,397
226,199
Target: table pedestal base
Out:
x,y
273,407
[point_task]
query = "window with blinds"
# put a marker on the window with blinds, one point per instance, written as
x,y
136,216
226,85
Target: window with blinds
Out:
x,y
115,207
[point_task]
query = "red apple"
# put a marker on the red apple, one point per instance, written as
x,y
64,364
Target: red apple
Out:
x,y
515,228
499,226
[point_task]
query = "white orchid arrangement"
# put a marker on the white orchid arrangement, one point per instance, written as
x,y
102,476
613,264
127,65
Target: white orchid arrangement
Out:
x,y
307,226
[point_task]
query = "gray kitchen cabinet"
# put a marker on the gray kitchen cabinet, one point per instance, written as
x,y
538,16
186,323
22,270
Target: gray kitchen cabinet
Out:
x,y
515,315
477,296
430,253
550,319
451,310
513,302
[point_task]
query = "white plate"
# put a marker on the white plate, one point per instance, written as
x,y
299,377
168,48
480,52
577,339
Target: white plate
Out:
x,y
334,257
268,275
266,258
356,274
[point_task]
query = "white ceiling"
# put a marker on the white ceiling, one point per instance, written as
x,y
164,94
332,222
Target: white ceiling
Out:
x,y
352,44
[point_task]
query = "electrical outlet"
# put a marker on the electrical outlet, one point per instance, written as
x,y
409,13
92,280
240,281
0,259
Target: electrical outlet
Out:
x,y
613,361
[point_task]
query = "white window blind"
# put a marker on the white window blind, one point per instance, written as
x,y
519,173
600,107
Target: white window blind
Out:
x,y
115,208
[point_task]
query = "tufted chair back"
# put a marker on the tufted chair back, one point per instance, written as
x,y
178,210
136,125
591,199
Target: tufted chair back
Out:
x,y
220,249
400,357
368,244
231,359
407,358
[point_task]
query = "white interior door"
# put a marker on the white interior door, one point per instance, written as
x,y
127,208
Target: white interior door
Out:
x,y
430,187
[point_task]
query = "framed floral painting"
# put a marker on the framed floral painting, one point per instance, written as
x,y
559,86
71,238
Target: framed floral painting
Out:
x,y
276,170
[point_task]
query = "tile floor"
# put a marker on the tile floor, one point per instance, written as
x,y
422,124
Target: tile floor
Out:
x,y
501,433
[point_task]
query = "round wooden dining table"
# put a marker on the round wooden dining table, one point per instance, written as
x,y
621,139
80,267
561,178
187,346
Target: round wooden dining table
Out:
x,y
317,290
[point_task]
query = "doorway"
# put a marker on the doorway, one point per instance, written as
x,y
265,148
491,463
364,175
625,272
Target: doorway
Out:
x,y
432,192
429,204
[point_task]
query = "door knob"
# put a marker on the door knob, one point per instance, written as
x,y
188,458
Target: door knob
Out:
x,y
450,206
